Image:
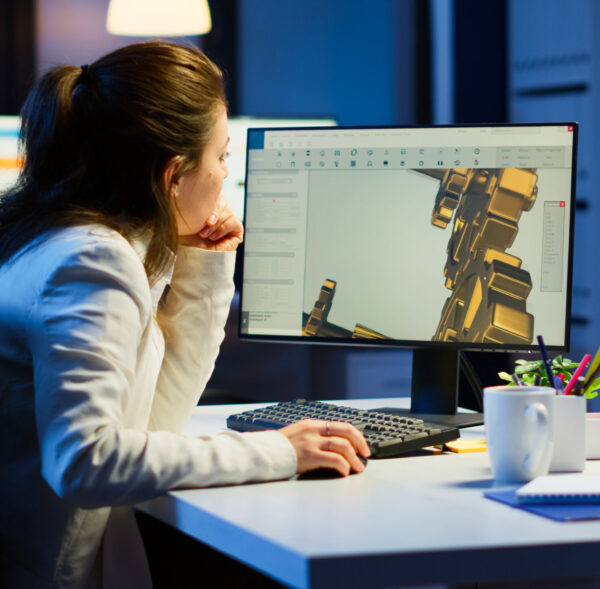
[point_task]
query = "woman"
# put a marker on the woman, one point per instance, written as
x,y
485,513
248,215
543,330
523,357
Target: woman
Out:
x,y
124,169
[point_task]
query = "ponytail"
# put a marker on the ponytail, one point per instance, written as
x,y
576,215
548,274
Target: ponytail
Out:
x,y
51,135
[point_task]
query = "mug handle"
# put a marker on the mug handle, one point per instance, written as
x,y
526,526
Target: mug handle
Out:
x,y
537,413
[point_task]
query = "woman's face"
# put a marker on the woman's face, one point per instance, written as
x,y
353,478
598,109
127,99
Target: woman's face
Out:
x,y
197,190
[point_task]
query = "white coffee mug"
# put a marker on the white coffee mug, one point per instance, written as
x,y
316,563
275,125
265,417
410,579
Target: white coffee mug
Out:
x,y
519,430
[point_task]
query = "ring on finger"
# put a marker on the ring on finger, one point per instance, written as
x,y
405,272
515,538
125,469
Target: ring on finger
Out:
x,y
327,430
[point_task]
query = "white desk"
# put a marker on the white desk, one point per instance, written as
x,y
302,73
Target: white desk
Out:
x,y
410,520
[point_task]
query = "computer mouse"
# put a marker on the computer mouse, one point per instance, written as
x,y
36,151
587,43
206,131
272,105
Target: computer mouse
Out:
x,y
326,473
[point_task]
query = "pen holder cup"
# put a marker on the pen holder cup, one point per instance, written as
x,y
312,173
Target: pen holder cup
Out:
x,y
592,435
569,434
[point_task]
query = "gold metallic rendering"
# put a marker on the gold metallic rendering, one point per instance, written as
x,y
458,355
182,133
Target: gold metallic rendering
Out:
x,y
489,287
320,310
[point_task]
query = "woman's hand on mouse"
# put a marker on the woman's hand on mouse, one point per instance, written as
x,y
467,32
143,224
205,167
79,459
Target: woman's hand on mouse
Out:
x,y
327,444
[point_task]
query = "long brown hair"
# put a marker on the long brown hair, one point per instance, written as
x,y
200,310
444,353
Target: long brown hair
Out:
x,y
96,140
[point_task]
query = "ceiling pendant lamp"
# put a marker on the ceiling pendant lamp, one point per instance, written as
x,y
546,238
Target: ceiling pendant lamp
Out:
x,y
164,18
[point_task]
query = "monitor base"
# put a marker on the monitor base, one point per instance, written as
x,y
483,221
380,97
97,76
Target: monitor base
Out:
x,y
457,420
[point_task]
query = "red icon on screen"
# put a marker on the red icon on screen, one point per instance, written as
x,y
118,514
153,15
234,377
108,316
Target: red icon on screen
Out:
x,y
562,203
570,128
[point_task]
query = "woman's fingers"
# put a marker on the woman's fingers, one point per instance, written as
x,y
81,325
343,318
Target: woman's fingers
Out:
x,y
327,444
351,433
341,455
222,231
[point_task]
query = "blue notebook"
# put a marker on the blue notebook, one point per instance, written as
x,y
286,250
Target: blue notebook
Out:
x,y
556,511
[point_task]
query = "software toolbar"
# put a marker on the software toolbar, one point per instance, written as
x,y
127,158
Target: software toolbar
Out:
x,y
410,157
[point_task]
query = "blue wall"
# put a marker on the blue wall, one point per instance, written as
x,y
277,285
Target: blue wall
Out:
x,y
350,59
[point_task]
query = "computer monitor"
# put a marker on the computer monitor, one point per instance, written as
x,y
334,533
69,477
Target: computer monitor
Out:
x,y
233,187
9,157
441,239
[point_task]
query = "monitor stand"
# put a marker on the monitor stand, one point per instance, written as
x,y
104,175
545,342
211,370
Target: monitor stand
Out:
x,y
434,390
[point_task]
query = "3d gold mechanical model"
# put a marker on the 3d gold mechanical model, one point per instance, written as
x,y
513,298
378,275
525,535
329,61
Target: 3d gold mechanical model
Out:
x,y
489,289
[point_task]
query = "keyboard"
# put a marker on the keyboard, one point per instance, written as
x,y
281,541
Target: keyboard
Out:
x,y
387,434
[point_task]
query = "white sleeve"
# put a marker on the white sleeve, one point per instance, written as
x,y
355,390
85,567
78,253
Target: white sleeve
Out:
x,y
196,310
84,334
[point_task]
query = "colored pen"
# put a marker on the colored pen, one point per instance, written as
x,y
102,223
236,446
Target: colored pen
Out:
x,y
546,360
516,380
558,385
582,365
536,380
593,370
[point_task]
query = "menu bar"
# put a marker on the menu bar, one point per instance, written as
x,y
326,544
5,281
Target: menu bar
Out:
x,y
398,158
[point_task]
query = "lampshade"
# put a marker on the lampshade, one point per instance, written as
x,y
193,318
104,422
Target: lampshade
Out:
x,y
166,18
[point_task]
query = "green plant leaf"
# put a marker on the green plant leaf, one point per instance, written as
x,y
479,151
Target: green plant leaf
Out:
x,y
529,366
529,378
568,365
506,376
592,389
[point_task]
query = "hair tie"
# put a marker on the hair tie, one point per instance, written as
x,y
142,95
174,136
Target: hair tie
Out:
x,y
86,75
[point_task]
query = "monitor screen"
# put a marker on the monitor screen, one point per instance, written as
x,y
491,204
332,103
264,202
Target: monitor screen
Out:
x,y
9,158
233,187
456,237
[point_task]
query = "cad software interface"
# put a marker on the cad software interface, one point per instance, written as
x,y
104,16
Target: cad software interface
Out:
x,y
233,187
449,234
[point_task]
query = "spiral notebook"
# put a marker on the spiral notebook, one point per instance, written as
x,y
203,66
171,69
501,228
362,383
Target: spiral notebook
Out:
x,y
562,488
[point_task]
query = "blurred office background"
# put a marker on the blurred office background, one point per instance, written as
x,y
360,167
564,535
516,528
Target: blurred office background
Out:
x,y
383,62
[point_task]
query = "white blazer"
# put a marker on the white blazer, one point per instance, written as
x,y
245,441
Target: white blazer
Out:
x,y
92,403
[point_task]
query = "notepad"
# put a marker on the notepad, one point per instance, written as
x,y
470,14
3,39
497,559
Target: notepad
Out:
x,y
564,488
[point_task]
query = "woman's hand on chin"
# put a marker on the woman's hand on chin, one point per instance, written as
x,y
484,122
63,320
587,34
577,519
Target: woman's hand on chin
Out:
x,y
223,231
